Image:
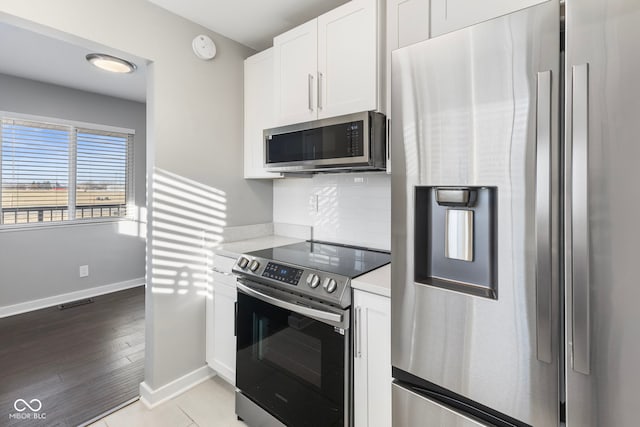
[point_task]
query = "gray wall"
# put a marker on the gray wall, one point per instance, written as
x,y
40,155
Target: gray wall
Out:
x,y
43,262
194,114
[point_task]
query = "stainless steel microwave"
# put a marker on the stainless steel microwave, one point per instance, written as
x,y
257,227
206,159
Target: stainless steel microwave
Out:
x,y
352,142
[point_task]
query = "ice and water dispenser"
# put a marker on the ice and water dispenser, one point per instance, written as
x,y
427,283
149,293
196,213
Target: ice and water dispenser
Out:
x,y
455,239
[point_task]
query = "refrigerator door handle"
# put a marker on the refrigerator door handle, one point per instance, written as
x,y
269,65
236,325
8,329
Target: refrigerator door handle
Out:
x,y
580,219
544,321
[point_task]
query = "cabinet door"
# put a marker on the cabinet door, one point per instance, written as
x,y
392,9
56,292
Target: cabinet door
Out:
x,y
258,112
348,59
221,274
450,15
209,328
407,22
295,70
224,337
372,360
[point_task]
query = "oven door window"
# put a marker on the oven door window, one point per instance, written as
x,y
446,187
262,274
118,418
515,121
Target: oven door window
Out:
x,y
289,364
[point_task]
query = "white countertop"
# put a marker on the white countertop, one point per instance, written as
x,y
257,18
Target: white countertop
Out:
x,y
377,281
239,247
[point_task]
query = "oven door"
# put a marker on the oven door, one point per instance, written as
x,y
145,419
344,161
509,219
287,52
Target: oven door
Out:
x,y
293,360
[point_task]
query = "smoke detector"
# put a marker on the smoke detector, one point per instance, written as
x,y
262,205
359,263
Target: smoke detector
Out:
x,y
204,47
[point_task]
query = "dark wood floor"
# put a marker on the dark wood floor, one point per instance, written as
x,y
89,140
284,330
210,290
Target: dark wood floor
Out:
x,y
79,362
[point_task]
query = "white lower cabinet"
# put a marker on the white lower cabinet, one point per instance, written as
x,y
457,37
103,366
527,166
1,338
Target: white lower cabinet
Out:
x,y
221,316
372,360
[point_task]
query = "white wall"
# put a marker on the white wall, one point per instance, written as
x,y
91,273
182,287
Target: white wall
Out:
x,y
352,208
43,262
194,116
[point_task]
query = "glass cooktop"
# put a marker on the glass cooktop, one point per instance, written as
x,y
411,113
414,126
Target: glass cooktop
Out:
x,y
350,261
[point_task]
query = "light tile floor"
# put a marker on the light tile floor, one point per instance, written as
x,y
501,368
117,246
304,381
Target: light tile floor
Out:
x,y
211,403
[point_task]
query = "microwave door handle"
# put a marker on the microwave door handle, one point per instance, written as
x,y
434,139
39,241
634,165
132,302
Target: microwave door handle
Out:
x,y
313,313
544,322
580,274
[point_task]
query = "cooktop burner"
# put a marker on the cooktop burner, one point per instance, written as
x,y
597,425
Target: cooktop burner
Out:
x,y
349,261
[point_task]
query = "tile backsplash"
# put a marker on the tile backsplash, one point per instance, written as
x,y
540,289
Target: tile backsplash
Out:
x,y
352,208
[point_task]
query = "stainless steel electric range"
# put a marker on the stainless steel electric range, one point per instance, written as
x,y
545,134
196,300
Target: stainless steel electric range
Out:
x,y
293,322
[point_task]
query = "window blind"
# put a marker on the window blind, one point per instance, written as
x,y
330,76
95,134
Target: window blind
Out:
x,y
35,172
54,173
102,173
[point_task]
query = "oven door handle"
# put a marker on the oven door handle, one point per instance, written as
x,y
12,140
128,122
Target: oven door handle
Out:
x,y
321,315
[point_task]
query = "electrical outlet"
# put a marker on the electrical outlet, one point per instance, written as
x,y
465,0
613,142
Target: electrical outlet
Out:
x,y
84,270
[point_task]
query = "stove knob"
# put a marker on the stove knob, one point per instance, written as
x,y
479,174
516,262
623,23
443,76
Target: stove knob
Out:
x,y
313,280
330,285
243,262
254,265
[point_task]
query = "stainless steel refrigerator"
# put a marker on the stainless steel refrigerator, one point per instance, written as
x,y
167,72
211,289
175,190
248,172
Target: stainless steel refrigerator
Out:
x,y
515,230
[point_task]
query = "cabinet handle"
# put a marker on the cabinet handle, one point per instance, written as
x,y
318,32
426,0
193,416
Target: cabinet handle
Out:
x,y
310,92
388,145
215,270
358,332
320,100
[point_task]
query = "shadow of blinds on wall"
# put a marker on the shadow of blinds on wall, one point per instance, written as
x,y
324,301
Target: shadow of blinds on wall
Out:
x,y
58,172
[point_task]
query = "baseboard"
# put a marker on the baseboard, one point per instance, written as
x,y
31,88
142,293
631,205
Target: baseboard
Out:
x,y
23,307
152,398
224,372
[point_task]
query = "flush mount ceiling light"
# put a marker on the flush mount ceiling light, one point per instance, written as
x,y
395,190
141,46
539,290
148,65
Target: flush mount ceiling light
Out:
x,y
111,63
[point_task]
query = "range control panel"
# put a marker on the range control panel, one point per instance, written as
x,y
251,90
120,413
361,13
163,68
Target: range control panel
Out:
x,y
282,273
312,283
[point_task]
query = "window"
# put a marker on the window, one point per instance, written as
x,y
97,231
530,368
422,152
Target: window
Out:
x,y
59,172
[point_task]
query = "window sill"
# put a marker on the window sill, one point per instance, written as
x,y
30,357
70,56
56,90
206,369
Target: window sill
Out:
x,y
5,228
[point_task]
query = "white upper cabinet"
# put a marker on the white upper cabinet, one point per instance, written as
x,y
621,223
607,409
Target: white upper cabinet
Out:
x,y
348,59
258,112
329,66
450,15
296,69
407,22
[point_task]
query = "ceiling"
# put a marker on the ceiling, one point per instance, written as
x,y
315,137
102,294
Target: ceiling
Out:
x,y
35,56
250,22
53,59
